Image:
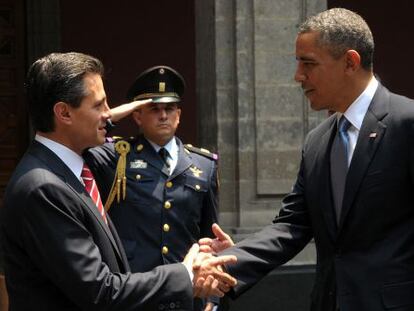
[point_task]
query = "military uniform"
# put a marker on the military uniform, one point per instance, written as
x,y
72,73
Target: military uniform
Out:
x,y
162,215
158,214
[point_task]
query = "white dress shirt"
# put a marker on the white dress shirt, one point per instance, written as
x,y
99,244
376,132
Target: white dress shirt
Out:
x,y
172,149
356,113
72,160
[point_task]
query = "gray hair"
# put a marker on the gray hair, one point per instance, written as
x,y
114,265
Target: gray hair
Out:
x,y
341,30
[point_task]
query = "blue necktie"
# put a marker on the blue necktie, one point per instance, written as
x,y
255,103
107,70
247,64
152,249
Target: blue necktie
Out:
x,y
339,164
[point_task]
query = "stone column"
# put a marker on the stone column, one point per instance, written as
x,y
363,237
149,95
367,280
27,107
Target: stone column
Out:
x,y
252,112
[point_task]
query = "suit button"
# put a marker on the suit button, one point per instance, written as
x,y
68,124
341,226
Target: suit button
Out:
x,y
197,187
166,228
169,184
167,205
164,250
138,177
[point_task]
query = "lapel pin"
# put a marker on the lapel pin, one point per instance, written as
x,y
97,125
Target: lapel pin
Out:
x,y
373,135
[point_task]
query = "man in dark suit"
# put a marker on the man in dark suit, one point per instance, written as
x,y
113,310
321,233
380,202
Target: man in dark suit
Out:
x,y
354,190
61,249
169,203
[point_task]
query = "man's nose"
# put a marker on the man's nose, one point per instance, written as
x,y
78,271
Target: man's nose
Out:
x,y
299,75
107,112
163,114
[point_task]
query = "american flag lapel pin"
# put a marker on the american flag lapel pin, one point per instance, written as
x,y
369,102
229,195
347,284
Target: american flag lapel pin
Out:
x,y
372,135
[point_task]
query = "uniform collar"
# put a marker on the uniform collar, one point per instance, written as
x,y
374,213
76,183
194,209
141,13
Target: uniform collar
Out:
x,y
171,147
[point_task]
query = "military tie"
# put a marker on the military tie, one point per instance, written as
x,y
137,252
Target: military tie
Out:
x,y
92,188
339,164
165,157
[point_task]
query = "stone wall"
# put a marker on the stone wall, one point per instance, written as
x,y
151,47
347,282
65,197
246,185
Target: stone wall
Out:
x,y
252,112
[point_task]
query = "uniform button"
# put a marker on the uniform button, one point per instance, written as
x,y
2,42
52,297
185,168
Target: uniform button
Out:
x,y
169,184
138,177
166,228
197,187
167,205
164,250
140,147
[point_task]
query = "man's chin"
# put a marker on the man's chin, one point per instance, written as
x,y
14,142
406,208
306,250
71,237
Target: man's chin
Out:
x,y
316,106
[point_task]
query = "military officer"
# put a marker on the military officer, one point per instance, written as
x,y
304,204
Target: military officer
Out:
x,y
162,194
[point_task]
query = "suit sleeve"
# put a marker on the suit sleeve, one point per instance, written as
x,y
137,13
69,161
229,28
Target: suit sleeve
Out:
x,y
275,244
210,204
56,237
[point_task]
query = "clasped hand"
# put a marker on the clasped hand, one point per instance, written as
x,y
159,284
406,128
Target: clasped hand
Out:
x,y
210,279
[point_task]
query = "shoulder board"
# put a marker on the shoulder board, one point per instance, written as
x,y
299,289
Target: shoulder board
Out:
x,y
116,138
202,151
128,139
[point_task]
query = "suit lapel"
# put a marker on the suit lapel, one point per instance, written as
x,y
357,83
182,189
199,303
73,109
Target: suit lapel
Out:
x,y
60,169
323,186
370,136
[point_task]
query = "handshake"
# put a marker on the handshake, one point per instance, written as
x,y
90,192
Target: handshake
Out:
x,y
210,277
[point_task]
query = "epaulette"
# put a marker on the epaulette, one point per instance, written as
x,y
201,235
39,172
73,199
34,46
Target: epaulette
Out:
x,y
201,151
122,147
118,138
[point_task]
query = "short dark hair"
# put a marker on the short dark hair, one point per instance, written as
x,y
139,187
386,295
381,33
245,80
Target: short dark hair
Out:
x,y
340,30
57,77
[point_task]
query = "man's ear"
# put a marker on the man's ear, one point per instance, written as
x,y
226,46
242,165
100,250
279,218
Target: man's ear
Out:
x,y
179,114
62,113
136,115
353,61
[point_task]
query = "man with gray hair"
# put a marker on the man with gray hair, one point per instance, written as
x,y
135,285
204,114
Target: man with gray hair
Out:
x,y
354,189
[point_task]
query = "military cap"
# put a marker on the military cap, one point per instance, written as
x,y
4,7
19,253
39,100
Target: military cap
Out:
x,y
160,83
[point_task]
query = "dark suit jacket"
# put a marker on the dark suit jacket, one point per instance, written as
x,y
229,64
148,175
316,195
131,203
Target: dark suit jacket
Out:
x,y
60,255
142,217
369,256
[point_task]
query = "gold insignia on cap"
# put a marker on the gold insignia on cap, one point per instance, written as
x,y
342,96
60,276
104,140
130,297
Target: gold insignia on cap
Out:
x,y
161,71
196,171
140,147
161,87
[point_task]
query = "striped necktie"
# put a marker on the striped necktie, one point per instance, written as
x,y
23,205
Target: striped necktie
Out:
x,y
165,156
92,188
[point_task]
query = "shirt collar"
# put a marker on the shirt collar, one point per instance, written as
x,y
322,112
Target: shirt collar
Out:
x,y
72,160
171,147
356,112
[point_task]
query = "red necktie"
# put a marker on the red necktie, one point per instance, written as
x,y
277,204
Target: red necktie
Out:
x,y
92,188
